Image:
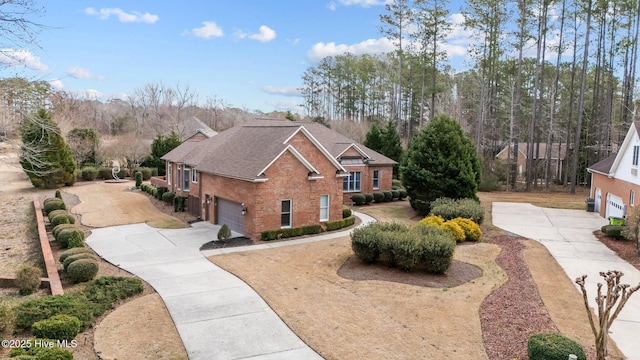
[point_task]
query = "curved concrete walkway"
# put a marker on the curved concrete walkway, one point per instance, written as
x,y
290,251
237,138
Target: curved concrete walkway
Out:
x,y
217,315
568,235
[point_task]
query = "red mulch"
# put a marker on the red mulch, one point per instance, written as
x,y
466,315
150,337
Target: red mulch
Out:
x,y
626,249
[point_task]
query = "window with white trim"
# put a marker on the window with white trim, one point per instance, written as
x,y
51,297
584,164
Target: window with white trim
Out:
x,y
636,154
178,177
376,179
285,214
351,183
194,176
168,173
324,207
632,198
186,177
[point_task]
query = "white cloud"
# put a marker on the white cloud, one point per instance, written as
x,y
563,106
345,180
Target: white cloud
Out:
x,y
370,46
266,34
285,90
365,3
125,17
80,73
284,105
209,29
56,84
331,6
239,34
22,57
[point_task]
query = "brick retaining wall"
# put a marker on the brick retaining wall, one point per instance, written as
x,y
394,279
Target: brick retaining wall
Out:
x,y
49,262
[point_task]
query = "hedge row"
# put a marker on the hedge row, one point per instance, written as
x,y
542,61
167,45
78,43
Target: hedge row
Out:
x,y
290,232
378,197
32,352
53,203
614,231
96,297
422,247
454,208
339,224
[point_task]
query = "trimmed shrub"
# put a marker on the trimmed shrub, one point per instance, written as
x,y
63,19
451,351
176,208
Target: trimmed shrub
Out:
x,y
387,195
339,224
465,208
82,270
103,292
89,173
614,231
76,240
28,279
58,194
433,220
53,204
7,321
402,194
407,250
145,171
62,219
224,233
359,199
160,193
395,194
346,211
30,311
41,353
553,347
82,255
168,197
138,176
472,231
105,173
67,253
58,228
368,198
53,213
178,203
65,234
57,327
454,230
378,197
437,248
290,232
365,241
396,183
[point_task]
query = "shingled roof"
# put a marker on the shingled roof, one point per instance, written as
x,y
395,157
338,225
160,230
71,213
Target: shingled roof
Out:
x,y
603,166
245,151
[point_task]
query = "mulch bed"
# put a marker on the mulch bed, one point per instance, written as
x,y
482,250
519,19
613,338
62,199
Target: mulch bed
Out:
x,y
515,311
626,249
459,273
233,242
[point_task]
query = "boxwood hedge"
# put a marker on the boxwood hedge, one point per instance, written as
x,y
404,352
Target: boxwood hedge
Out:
x,y
58,327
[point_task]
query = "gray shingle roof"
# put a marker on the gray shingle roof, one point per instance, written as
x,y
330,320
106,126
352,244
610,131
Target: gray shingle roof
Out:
x,y
603,166
244,151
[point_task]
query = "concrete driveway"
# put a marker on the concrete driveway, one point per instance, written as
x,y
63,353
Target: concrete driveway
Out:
x,y
217,315
568,235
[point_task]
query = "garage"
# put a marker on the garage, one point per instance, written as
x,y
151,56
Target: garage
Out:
x,y
230,213
615,207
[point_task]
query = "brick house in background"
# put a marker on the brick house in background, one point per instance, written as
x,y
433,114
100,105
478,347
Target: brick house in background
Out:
x,y
615,180
270,174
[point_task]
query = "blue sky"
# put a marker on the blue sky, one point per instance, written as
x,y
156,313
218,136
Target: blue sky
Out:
x,y
251,53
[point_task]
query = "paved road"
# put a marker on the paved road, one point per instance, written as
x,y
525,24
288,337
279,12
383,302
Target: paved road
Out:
x,y
568,234
217,315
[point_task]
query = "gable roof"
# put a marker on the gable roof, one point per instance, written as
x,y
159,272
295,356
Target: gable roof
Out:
x,y
556,150
192,126
609,165
246,151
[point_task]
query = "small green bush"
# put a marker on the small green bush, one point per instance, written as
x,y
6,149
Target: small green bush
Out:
x,y
614,231
53,204
358,199
103,292
402,194
472,231
105,173
57,229
224,233
437,248
388,196
30,311
138,176
364,243
58,194
76,240
433,220
168,197
53,213
89,173
368,198
378,197
553,347
178,203
79,250
465,208
62,219
346,211
82,270
41,353
146,172
395,194
28,279
65,234
7,321
339,224
160,192
70,259
290,232
57,327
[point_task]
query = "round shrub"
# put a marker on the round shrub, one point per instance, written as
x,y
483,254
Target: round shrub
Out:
x,y
346,211
368,198
76,240
58,228
387,195
168,197
89,173
83,270
138,176
58,194
28,279
70,259
395,194
433,220
378,197
472,231
105,173
358,199
224,233
553,347
58,327
364,242
41,353
62,219
450,209
65,234
79,250
406,250
454,230
7,321
402,194
53,213
53,204
437,248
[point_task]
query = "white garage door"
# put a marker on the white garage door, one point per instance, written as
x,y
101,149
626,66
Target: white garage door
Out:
x,y
615,206
598,200
230,213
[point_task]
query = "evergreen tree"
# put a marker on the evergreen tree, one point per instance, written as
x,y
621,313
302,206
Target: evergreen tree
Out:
x,y
45,158
391,145
441,162
373,139
160,146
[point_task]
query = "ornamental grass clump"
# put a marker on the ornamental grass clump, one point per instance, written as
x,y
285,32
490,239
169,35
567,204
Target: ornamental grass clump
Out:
x,y
28,279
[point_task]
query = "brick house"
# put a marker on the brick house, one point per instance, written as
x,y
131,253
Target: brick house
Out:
x,y
615,180
270,174
558,156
